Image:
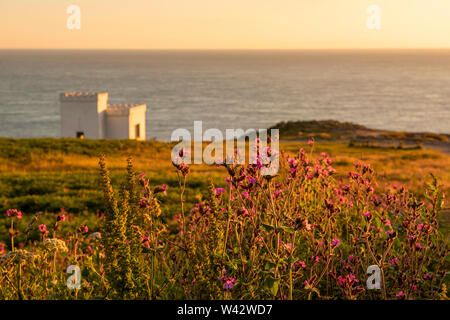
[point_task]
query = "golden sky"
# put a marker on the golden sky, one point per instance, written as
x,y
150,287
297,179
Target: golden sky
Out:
x,y
224,24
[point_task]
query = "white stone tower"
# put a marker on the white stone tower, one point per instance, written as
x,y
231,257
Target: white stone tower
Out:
x,y
88,115
83,114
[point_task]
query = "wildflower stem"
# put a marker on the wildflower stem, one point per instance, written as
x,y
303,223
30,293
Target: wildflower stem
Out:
x,y
182,186
19,282
12,234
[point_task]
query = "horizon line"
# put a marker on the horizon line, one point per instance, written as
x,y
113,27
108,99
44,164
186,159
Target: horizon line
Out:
x,y
233,49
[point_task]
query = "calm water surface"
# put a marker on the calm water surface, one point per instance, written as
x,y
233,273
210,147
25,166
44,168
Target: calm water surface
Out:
x,y
398,90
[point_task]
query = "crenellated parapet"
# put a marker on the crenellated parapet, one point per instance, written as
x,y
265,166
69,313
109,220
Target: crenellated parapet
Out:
x,y
81,96
123,109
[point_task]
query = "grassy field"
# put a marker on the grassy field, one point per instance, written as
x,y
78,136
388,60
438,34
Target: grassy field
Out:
x,y
253,238
49,174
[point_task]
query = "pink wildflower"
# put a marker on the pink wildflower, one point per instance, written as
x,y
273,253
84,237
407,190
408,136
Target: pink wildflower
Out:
x,y
292,162
252,180
14,213
336,242
88,250
393,261
229,284
83,229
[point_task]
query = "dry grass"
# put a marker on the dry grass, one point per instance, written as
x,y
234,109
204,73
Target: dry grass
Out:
x,y
409,167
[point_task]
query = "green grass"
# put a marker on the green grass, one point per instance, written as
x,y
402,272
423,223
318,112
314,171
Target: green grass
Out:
x,y
49,174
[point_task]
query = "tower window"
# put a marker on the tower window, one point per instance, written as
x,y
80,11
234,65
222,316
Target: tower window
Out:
x,y
137,131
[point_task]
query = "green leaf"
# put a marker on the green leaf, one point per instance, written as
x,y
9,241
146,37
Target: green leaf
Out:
x,y
272,284
267,227
269,265
287,229
290,260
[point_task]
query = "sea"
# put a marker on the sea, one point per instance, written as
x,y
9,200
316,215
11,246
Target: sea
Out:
x,y
403,90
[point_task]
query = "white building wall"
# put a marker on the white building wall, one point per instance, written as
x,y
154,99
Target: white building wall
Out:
x,y
83,113
101,110
117,126
137,116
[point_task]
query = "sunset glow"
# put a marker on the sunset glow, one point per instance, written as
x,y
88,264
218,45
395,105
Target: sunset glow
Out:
x,y
232,24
